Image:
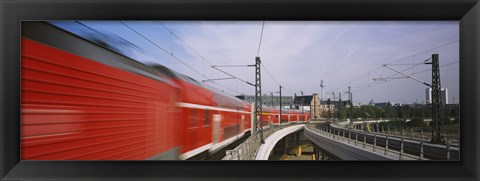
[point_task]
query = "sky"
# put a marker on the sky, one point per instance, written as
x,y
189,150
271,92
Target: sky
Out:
x,y
297,54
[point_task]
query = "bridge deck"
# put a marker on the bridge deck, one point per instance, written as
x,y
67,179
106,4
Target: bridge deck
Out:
x,y
355,148
248,150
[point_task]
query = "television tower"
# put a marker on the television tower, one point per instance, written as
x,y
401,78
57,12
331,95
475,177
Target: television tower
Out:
x,y
322,86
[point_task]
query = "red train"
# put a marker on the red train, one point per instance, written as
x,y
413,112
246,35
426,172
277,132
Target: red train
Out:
x,y
81,101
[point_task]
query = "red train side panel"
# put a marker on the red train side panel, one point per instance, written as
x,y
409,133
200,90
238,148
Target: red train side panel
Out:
x,y
74,108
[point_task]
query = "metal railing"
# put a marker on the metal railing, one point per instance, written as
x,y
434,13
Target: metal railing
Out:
x,y
371,141
415,134
249,148
418,135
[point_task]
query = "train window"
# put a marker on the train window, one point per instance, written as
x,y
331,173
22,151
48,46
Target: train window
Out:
x,y
207,118
193,118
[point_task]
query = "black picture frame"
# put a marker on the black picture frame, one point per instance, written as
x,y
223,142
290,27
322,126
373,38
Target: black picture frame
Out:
x,y
467,12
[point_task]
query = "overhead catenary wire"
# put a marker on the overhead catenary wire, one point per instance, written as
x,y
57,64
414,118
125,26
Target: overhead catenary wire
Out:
x,y
163,49
229,89
264,67
424,51
379,83
288,90
175,57
185,43
270,74
202,57
358,78
90,28
260,42
234,76
100,33
412,67
394,78
283,87
195,51
396,60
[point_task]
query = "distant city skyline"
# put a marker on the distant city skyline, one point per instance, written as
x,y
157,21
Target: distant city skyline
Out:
x,y
298,54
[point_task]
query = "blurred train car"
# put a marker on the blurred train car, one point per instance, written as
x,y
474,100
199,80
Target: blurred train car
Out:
x,y
268,116
81,101
285,118
211,120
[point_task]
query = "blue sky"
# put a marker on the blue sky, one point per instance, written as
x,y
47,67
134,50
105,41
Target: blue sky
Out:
x,y
299,54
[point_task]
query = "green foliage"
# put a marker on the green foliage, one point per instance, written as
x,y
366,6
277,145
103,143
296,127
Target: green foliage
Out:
x,y
415,122
414,112
393,123
342,114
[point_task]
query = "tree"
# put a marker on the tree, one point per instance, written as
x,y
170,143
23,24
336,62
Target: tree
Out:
x,y
342,114
415,122
390,112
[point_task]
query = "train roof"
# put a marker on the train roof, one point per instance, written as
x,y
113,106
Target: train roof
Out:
x,y
225,100
221,99
54,36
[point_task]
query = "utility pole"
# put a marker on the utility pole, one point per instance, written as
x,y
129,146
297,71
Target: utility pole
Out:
x,y
334,105
340,101
295,102
271,96
280,118
301,92
437,116
258,98
350,97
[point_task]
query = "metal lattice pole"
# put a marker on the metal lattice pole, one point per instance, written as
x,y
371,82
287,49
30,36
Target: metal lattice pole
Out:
x,y
258,98
350,97
280,116
436,101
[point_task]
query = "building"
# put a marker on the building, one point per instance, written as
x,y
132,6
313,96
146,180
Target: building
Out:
x,y
310,103
269,100
443,95
327,109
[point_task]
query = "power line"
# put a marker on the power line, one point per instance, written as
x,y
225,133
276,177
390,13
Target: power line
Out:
x,y
172,55
418,53
234,76
260,42
371,85
176,36
368,73
203,58
162,49
229,89
414,65
269,73
105,44
288,90
379,83
431,69
88,27
234,66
